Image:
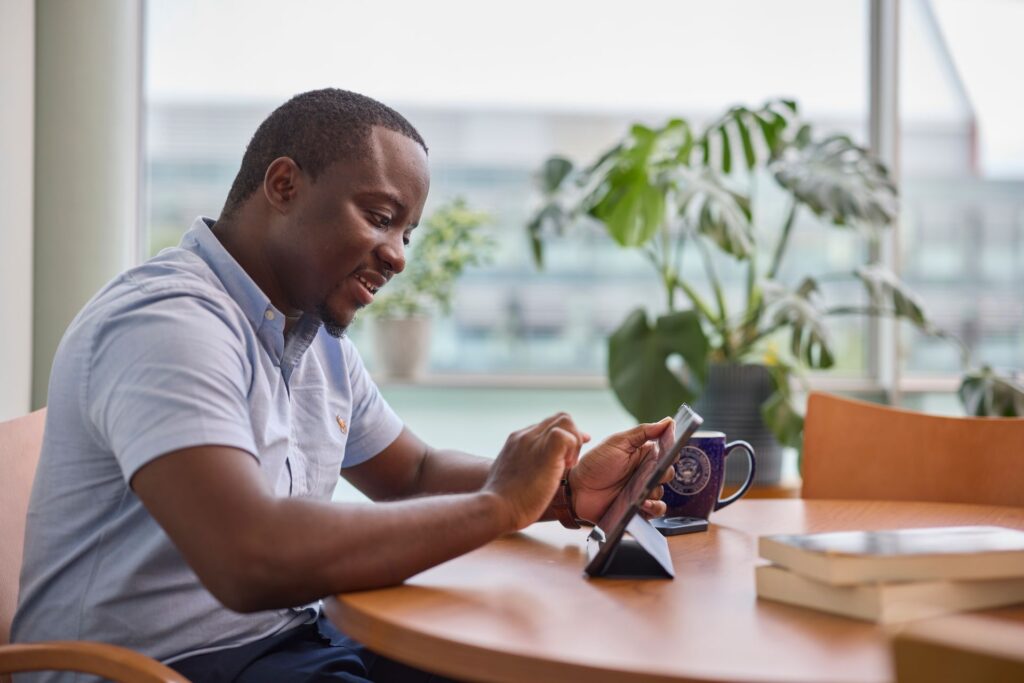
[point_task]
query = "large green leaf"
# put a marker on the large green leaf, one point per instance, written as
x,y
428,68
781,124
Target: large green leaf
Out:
x,y
798,310
673,144
718,212
886,289
761,134
638,353
626,188
838,180
986,393
632,209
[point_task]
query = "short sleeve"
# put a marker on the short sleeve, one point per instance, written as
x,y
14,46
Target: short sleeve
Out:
x,y
374,424
169,375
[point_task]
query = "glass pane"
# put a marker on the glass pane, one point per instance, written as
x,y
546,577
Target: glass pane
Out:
x,y
962,238
495,89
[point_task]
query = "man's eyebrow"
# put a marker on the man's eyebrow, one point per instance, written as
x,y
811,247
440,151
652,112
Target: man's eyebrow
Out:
x,y
381,195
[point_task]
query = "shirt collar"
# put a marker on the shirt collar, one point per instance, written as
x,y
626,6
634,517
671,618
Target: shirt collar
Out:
x,y
201,241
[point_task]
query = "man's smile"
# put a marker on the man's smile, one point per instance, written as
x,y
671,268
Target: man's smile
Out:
x,y
369,283
365,283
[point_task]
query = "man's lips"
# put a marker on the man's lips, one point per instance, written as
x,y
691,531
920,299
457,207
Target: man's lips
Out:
x,y
369,283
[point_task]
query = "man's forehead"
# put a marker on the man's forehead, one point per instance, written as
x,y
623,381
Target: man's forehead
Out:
x,y
387,145
383,164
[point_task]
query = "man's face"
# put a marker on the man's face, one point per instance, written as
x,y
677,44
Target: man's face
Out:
x,y
347,234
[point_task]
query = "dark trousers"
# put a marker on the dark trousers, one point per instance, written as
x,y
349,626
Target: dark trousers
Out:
x,y
314,652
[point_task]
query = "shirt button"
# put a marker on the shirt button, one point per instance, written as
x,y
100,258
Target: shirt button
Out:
x,y
269,315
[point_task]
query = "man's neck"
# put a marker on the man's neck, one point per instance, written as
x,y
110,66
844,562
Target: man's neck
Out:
x,y
239,235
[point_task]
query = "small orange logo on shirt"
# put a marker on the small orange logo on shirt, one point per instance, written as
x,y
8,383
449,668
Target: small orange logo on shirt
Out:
x,y
341,423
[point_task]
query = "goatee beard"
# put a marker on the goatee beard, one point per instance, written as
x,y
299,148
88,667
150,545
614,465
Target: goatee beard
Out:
x,y
333,327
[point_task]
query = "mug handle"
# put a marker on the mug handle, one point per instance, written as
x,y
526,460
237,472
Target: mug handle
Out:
x,y
750,475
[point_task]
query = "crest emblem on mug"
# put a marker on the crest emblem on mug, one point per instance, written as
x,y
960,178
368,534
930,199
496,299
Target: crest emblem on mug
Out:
x,y
693,470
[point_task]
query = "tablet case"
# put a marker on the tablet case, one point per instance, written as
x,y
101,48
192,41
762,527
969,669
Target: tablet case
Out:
x,y
644,556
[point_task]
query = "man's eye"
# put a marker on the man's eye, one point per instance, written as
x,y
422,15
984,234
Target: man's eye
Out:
x,y
406,240
381,220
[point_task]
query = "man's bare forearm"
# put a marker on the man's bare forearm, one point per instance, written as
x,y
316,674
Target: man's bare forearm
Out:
x,y
351,546
449,471
254,550
325,548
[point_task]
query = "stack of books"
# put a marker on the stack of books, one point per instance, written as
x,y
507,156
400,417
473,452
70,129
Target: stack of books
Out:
x,y
895,575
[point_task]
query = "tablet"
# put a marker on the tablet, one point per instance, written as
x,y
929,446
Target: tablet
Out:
x,y
608,532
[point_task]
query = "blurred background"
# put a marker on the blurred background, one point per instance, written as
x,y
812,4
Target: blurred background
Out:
x,y
930,85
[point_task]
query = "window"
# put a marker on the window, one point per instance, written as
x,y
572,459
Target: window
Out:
x,y
962,158
494,90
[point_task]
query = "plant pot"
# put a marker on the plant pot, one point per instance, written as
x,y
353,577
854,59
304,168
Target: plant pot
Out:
x,y
402,347
731,403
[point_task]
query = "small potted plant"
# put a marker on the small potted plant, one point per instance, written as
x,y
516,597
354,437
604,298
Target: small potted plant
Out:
x,y
450,240
669,190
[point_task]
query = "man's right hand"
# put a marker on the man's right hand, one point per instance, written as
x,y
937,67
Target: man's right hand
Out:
x,y
527,472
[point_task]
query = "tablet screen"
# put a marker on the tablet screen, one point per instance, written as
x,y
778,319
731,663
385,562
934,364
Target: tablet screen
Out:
x,y
613,523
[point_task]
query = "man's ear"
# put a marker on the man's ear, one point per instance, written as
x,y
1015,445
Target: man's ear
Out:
x,y
281,183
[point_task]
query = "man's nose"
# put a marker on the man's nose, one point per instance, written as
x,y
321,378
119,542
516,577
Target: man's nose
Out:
x,y
392,252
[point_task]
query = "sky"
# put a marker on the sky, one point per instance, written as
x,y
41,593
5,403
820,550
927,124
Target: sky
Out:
x,y
591,56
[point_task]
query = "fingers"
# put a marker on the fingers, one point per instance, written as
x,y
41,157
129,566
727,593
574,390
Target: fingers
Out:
x,y
564,441
657,492
562,421
557,434
525,474
653,508
642,433
560,429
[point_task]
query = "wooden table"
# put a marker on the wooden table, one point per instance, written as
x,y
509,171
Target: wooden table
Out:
x,y
519,608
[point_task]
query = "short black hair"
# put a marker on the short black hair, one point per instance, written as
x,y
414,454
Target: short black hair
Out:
x,y
314,129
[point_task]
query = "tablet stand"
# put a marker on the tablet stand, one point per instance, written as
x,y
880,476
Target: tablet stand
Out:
x,y
645,556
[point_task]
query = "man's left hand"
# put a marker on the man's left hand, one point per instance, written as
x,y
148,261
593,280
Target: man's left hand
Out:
x,y
599,476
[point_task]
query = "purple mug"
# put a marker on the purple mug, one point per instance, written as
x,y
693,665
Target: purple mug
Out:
x,y
700,474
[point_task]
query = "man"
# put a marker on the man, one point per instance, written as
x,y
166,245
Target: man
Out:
x,y
203,404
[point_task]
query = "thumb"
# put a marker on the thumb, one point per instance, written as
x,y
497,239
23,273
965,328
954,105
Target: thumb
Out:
x,y
637,436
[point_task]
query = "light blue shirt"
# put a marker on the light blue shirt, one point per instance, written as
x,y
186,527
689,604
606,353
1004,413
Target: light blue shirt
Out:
x,y
184,350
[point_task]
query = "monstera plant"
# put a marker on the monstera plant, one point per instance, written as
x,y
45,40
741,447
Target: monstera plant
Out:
x,y
668,190
986,392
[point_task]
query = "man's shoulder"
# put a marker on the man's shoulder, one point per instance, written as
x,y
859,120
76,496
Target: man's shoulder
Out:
x,y
173,291
176,272
176,278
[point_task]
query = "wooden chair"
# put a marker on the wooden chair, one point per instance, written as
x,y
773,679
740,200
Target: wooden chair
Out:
x,y
20,442
854,449
975,648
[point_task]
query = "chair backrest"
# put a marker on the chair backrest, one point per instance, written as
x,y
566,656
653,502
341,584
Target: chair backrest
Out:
x,y
20,442
855,449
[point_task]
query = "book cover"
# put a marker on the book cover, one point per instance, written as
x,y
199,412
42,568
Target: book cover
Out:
x,y
852,557
887,603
